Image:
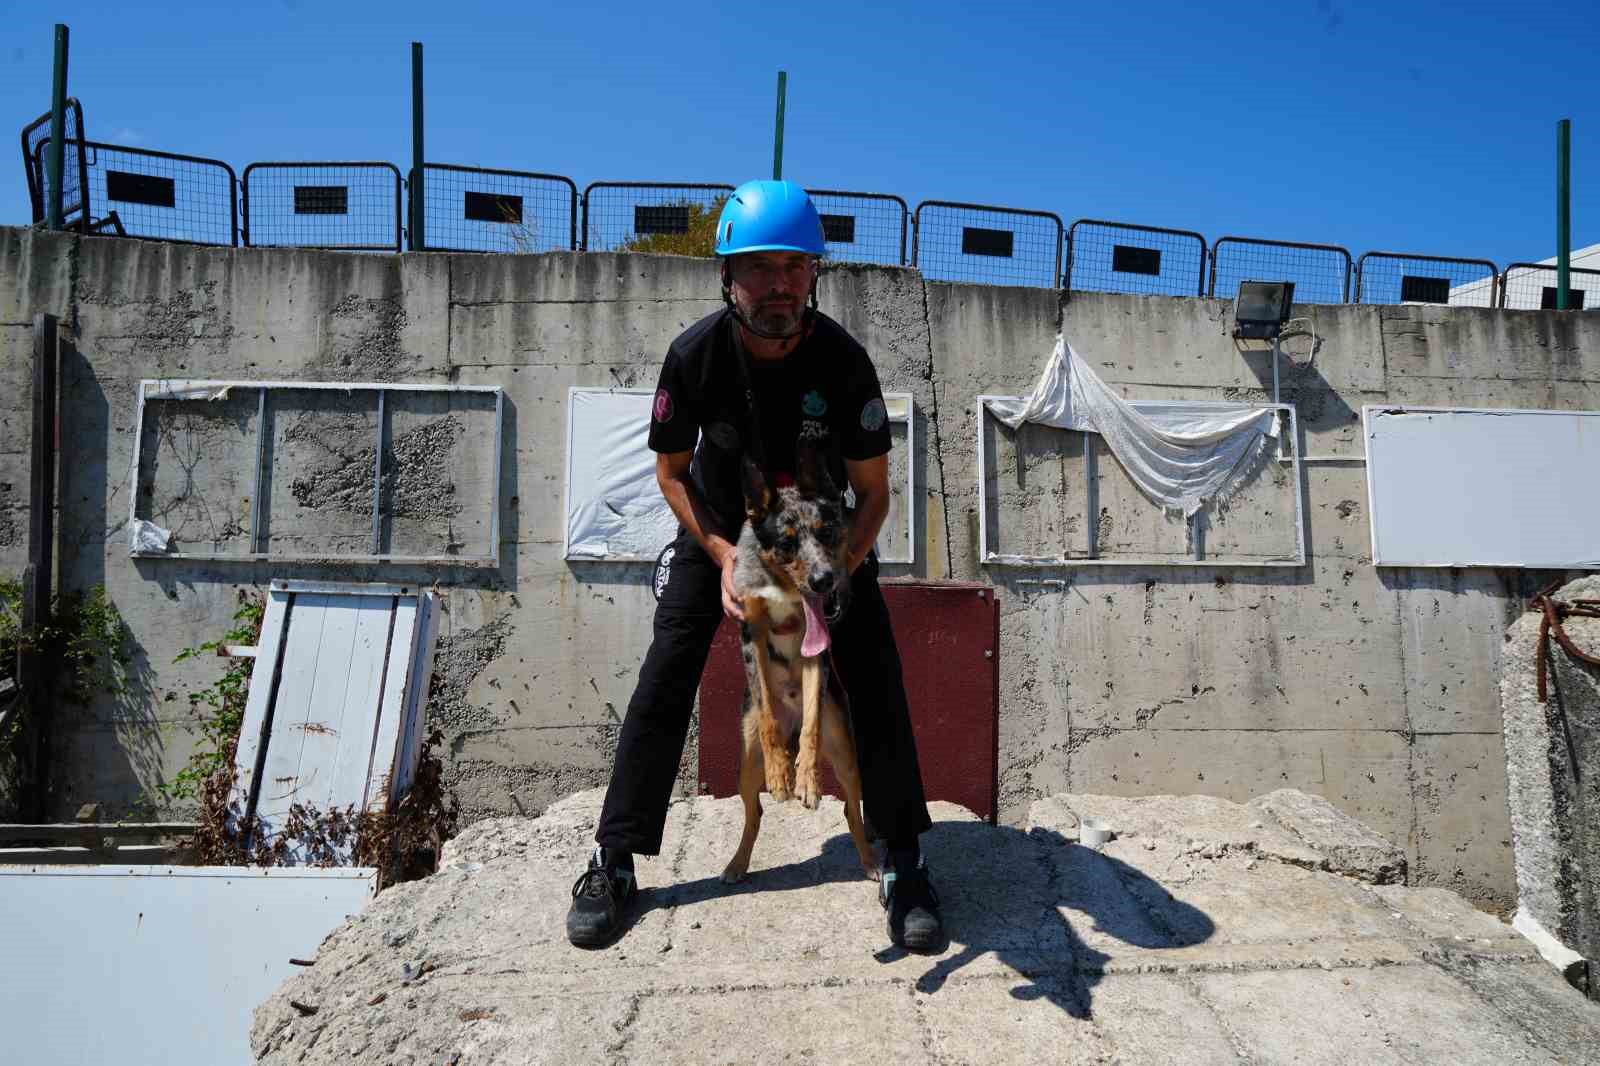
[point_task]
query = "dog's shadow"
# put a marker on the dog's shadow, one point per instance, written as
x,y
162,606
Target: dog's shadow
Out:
x,y
1029,898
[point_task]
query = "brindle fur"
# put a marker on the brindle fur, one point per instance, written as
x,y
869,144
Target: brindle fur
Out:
x,y
795,536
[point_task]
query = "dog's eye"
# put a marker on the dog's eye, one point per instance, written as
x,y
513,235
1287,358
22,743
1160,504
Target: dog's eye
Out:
x,y
827,536
788,542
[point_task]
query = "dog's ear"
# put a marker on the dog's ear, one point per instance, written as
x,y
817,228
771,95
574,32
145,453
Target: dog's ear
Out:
x,y
811,471
757,496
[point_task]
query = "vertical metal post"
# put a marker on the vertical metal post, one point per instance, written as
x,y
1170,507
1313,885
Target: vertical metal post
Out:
x,y
1563,209
777,130
42,469
55,155
39,576
377,483
417,155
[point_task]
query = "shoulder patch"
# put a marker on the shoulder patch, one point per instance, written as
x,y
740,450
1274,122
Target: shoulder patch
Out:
x,y
874,415
663,406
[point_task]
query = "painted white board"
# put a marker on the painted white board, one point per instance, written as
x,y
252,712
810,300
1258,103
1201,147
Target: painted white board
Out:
x,y
156,964
340,684
1458,486
614,509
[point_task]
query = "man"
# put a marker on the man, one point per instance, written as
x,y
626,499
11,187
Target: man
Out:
x,y
755,378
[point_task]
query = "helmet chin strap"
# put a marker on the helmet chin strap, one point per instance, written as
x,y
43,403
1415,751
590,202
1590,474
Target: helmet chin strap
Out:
x,y
806,315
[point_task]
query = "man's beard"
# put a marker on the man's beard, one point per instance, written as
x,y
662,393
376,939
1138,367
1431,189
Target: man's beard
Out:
x,y
780,317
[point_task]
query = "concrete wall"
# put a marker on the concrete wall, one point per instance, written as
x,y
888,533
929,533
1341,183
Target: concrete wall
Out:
x,y
1374,689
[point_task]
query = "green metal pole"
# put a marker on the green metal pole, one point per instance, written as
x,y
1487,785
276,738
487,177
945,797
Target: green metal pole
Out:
x,y
1563,210
777,133
417,213
56,156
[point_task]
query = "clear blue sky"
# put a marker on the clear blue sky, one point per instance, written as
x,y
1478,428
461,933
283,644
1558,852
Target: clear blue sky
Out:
x,y
1419,127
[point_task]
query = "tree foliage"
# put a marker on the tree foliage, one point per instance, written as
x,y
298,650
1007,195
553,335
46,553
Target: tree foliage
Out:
x,y
699,239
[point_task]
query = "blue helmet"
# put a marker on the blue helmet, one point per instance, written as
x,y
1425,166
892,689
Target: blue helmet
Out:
x,y
769,216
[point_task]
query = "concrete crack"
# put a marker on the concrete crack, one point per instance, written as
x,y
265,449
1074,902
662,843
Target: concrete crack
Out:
x,y
1143,715
624,1027
1414,833
678,858
934,420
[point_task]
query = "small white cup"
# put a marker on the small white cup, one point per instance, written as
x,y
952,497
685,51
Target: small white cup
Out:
x,y
1092,832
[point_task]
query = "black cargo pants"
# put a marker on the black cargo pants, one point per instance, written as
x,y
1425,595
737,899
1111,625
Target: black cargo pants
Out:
x,y
657,723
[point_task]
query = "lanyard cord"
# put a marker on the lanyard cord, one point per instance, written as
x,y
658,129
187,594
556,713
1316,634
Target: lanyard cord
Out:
x,y
755,443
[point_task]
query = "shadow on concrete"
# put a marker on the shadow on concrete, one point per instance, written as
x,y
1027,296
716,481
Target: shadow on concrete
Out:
x,y
1017,911
1035,900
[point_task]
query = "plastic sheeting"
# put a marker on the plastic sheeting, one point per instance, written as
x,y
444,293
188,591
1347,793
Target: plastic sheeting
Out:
x,y
146,537
615,510
1181,456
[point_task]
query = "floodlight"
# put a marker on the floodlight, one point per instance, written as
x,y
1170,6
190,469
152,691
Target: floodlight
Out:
x,y
1261,309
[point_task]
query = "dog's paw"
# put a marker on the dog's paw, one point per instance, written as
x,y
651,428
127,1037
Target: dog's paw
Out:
x,y
809,791
733,874
780,781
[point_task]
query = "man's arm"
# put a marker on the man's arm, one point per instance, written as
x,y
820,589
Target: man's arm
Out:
x,y
672,475
870,480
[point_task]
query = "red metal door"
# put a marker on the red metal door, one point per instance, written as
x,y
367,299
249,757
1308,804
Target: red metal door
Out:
x,y
948,635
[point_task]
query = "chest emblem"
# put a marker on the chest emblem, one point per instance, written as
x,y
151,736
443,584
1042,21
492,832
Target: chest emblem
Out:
x,y
814,405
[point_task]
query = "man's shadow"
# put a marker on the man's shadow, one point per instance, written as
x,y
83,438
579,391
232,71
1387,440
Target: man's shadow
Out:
x,y
1035,900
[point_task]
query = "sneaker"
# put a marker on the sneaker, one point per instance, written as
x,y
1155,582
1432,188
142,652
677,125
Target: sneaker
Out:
x,y
600,899
913,906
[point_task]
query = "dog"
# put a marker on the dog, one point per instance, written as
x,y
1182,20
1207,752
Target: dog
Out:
x,y
790,565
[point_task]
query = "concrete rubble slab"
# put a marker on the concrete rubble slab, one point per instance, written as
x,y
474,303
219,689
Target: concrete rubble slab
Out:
x,y
1205,932
1347,846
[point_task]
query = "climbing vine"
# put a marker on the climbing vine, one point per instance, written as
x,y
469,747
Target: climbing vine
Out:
x,y
82,647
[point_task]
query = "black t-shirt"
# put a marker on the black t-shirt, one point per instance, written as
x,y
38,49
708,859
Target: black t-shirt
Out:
x,y
826,390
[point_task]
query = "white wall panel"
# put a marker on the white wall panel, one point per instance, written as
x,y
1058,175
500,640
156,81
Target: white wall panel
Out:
x,y
1483,487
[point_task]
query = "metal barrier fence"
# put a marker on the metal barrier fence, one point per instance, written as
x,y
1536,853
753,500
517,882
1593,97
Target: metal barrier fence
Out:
x,y
157,195
476,209
1396,278
633,215
163,196
1121,257
1320,272
1532,287
35,135
350,205
987,245
863,227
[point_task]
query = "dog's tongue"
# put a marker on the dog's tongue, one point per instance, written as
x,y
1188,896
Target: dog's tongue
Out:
x,y
815,641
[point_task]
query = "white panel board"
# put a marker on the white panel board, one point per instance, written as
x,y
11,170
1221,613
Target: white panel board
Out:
x,y
1471,486
614,510
156,964
341,674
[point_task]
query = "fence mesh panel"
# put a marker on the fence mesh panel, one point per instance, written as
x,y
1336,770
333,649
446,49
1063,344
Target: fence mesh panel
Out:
x,y
1117,257
1321,273
471,209
35,135
160,195
1532,287
1394,278
649,216
862,227
322,205
987,245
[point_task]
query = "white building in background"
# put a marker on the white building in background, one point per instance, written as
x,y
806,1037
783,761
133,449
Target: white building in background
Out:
x,y
1526,286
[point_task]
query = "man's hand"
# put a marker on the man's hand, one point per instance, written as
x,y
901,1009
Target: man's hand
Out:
x,y
730,599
